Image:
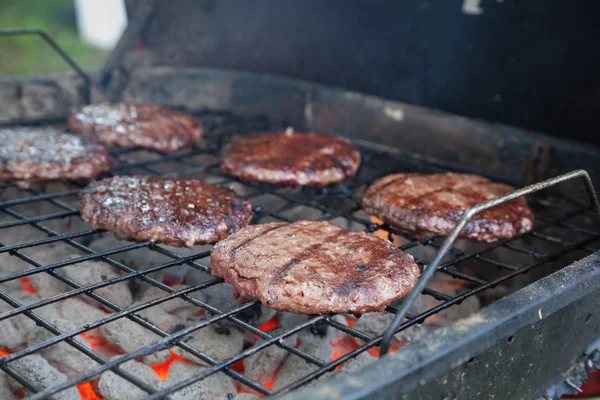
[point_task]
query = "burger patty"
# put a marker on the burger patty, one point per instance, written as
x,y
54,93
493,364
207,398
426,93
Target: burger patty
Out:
x,y
311,267
47,154
176,212
136,125
432,204
291,158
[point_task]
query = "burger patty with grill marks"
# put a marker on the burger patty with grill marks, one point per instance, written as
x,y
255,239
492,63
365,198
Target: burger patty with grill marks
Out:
x,y
291,158
432,204
177,212
136,125
311,267
47,154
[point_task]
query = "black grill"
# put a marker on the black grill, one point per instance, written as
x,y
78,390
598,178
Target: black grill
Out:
x,y
564,231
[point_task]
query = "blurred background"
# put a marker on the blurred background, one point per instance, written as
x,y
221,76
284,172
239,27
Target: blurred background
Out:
x,y
86,29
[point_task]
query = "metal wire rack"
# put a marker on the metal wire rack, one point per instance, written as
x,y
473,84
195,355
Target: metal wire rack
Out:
x,y
565,230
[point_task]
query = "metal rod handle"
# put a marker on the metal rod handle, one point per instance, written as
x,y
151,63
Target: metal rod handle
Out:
x,y
465,218
87,92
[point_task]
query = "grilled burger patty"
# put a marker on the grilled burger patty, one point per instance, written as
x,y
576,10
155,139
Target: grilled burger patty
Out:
x,y
136,125
432,204
291,158
311,267
176,212
47,154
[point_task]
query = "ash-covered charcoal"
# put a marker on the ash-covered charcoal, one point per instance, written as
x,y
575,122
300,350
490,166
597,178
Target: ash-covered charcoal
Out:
x,y
210,388
66,358
144,257
39,372
46,285
6,392
79,312
288,321
91,272
218,342
238,396
177,305
113,387
357,362
263,315
158,317
14,330
219,296
264,364
323,331
374,324
130,336
295,367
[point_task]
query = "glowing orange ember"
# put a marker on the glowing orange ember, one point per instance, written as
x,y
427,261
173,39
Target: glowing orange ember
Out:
x,y
238,366
162,370
4,352
26,285
394,347
86,392
341,346
95,340
379,232
272,324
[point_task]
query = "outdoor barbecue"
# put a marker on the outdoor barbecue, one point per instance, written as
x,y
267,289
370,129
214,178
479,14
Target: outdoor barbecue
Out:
x,y
206,232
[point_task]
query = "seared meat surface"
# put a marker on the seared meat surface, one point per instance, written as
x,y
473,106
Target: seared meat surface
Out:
x,y
311,267
47,154
431,204
177,212
291,158
136,125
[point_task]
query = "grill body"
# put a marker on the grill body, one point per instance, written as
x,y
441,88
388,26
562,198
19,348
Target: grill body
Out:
x,y
540,333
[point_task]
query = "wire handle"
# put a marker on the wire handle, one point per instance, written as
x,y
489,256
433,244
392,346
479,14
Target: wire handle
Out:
x,y
87,92
466,217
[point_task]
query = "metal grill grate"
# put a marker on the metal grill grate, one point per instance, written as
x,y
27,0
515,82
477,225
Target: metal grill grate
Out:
x,y
564,231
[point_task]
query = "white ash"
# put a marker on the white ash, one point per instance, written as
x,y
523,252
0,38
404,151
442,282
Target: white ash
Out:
x,y
219,296
113,387
144,257
357,362
374,324
238,396
323,331
289,321
295,367
6,392
47,285
79,312
38,371
265,363
218,342
130,336
69,360
13,330
20,233
92,272
210,388
177,305
158,317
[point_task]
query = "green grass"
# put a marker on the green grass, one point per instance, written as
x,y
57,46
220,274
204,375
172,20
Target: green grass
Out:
x,y
30,54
